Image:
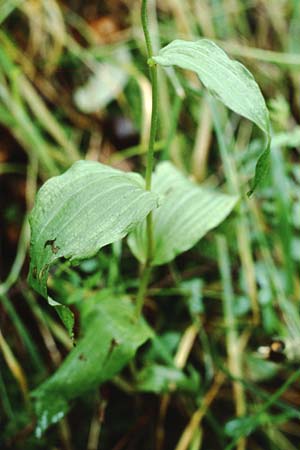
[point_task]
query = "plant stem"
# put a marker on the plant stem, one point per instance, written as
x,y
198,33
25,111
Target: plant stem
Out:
x,y
150,158
154,114
145,276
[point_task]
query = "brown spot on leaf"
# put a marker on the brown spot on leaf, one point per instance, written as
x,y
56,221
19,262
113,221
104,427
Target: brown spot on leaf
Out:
x,y
51,242
43,270
113,344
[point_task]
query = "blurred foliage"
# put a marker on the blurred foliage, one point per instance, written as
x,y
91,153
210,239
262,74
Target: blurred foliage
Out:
x,y
200,383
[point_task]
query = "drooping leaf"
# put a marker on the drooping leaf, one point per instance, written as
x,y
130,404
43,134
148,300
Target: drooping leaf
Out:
x,y
65,314
187,212
261,169
77,213
111,338
227,80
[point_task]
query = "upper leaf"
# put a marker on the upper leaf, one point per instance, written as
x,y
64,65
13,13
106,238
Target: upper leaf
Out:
x,y
77,213
226,79
261,168
112,336
186,214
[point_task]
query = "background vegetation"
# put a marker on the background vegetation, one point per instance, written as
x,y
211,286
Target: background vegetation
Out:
x,y
74,85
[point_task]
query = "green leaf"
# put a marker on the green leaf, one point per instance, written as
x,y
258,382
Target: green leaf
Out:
x,y
112,337
193,291
77,213
186,214
244,426
7,7
65,314
229,81
261,169
157,378
226,79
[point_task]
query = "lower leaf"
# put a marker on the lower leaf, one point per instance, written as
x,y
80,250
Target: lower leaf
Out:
x,y
111,340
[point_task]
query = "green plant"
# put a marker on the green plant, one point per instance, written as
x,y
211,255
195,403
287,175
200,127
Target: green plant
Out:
x,y
92,205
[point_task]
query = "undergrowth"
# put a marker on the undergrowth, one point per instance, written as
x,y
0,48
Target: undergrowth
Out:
x,y
74,85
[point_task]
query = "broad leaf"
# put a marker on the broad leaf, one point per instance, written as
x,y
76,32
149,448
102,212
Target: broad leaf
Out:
x,y
77,213
112,337
186,214
227,80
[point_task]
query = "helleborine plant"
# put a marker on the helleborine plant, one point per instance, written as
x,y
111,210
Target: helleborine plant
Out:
x,y
92,205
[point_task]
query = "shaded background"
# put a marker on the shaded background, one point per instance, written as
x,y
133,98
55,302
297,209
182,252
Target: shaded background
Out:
x,y
74,85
